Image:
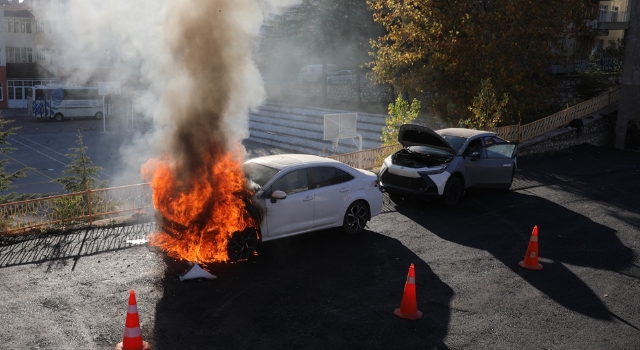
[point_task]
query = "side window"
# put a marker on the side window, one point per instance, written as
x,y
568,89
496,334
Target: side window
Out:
x,y
292,182
343,176
322,176
500,150
327,176
474,145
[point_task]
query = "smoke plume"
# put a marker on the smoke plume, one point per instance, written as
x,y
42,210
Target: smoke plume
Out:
x,y
186,65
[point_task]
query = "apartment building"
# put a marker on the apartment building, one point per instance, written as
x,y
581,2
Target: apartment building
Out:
x,y
22,53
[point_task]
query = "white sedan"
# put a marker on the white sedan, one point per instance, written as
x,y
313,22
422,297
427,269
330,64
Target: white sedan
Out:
x,y
298,193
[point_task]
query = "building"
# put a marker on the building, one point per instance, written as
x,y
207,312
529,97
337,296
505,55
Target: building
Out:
x,y
21,53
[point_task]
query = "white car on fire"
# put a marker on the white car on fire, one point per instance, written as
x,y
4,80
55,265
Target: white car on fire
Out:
x,y
443,163
298,193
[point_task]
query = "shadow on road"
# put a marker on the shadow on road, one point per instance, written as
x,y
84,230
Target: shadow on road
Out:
x,y
319,290
57,247
501,224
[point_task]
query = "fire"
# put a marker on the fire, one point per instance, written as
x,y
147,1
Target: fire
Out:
x,y
201,212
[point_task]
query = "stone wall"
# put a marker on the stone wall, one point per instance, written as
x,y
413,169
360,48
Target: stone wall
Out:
x,y
597,131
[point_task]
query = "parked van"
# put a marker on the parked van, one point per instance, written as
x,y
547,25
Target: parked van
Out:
x,y
313,73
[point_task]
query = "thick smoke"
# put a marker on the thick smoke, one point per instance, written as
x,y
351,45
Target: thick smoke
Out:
x,y
186,64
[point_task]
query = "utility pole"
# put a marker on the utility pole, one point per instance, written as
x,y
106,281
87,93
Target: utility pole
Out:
x,y
629,105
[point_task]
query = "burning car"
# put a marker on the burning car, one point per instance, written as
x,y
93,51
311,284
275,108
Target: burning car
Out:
x,y
443,163
298,193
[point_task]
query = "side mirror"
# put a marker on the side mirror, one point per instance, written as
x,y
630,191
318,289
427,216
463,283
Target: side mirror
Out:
x,y
475,155
277,195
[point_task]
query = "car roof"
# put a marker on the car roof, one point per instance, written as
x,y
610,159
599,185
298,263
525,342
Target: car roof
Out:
x,y
281,161
462,132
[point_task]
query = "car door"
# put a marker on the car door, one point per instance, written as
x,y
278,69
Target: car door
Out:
x,y
332,189
293,214
495,165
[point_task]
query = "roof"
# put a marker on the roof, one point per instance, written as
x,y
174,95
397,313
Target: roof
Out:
x,y
462,132
281,161
28,71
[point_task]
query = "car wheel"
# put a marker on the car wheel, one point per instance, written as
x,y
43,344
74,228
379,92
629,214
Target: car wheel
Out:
x,y
58,117
356,217
98,115
452,191
242,244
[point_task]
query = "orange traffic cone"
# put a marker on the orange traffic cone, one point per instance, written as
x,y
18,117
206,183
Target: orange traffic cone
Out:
x,y
408,309
132,339
531,259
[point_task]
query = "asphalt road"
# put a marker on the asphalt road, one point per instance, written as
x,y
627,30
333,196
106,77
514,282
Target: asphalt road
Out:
x,y
327,290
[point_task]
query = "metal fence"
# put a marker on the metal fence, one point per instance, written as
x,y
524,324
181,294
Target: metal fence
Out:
x,y
82,208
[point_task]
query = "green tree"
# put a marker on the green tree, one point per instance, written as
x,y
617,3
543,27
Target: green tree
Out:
x,y
80,171
6,178
448,47
319,31
400,113
486,111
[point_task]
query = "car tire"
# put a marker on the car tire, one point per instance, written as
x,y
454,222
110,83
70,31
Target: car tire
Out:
x,y
58,117
242,244
98,115
453,191
356,218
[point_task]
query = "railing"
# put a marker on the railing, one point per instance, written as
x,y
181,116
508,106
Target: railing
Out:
x,y
541,126
369,159
74,208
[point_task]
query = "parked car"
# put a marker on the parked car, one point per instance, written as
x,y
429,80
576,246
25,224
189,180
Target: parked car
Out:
x,y
343,77
313,73
443,163
298,193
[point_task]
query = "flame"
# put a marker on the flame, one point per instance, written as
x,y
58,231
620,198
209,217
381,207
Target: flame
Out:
x,y
207,207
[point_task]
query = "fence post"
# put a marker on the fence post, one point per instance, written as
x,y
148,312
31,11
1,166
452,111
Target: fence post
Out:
x,y
89,202
519,135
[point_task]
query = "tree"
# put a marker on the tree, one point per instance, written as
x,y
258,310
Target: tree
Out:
x,y
80,171
319,31
399,113
7,178
486,111
449,47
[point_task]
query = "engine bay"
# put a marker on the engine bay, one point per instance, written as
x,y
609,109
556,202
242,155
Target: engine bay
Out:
x,y
417,160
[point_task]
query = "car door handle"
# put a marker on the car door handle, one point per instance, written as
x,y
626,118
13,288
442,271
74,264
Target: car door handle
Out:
x,y
344,189
307,198
506,164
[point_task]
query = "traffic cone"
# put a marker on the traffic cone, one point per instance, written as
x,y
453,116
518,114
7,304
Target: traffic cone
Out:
x,y
409,309
132,339
531,258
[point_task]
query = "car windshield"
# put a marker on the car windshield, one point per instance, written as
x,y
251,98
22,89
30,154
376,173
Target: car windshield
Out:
x,y
456,142
432,151
258,174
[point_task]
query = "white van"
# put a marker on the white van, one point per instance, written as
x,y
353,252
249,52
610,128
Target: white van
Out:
x,y
313,73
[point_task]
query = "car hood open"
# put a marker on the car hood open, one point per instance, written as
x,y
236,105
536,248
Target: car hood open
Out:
x,y
416,135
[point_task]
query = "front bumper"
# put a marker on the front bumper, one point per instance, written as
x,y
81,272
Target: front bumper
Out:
x,y
422,186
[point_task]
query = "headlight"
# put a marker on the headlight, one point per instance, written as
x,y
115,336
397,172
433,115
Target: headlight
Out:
x,y
433,171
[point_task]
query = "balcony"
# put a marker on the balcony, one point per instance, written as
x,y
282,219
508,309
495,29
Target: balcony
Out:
x,y
613,20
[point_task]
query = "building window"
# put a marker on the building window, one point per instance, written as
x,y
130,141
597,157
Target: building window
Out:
x,y
10,29
40,55
603,13
1,93
11,54
29,55
18,88
28,26
23,55
40,25
614,14
10,89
